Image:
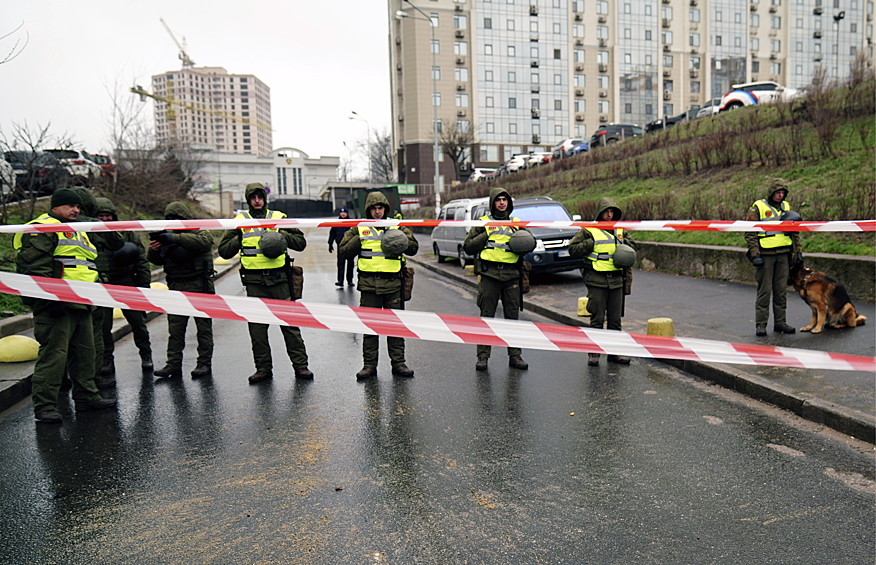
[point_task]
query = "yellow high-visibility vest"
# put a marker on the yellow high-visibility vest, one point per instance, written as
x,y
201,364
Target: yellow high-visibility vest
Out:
x,y
251,255
74,251
604,246
767,213
497,248
372,259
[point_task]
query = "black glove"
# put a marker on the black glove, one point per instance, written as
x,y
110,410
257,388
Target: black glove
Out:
x,y
798,260
757,261
331,248
164,238
56,309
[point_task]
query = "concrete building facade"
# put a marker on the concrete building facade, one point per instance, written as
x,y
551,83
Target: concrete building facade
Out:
x,y
208,107
526,74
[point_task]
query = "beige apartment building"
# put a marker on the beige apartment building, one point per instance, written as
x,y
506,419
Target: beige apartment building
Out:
x,y
208,107
526,74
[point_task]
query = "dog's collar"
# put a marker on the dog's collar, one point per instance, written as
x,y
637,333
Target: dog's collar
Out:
x,y
806,278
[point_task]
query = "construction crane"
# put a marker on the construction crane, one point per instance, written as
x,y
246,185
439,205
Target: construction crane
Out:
x,y
183,56
171,102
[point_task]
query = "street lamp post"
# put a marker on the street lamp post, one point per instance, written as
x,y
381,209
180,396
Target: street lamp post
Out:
x,y
401,14
837,18
367,125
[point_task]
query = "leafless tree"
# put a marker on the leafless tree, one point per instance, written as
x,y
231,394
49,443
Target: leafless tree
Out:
x,y
378,148
457,142
17,47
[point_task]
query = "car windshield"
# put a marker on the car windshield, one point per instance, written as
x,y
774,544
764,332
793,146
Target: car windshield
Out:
x,y
542,213
63,153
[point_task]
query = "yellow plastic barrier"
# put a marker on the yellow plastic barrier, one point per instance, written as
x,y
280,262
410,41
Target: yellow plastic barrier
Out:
x,y
18,348
661,326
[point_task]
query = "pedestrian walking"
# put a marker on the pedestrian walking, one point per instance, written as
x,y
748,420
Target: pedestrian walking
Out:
x,y
346,265
188,266
772,254
60,327
609,255
381,266
127,267
266,272
500,270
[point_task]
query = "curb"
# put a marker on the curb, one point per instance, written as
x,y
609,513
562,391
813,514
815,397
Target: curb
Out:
x,y
18,387
845,420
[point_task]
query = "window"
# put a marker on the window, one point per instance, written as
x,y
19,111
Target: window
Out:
x,y
533,78
754,20
577,30
628,108
436,46
434,17
602,82
666,37
488,49
798,69
602,57
436,73
558,79
628,8
462,100
512,51
694,15
460,74
512,76
509,25
439,126
578,55
558,54
666,12
533,52
580,81
647,35
489,102
460,22
602,106
463,126
601,7
668,85
512,128
695,87
754,43
488,76
557,28
491,128
667,61
558,105
755,66
436,99
601,32
668,109
580,106
718,40
719,17
533,26
694,39
460,48
512,103
776,22
628,33
775,68
577,5
775,45
628,59
488,23
536,104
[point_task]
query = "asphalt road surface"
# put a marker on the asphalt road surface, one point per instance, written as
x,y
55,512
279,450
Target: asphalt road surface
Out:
x,y
560,464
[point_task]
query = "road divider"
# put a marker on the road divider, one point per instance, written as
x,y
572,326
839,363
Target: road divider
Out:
x,y
429,326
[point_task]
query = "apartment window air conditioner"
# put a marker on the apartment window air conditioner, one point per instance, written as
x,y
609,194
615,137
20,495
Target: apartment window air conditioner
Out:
x,y
667,95
817,58
603,68
773,9
602,19
773,56
534,88
753,8
579,42
398,67
460,87
578,17
754,56
536,139
579,92
816,34
401,118
460,113
694,73
458,8
693,2
694,51
535,114
533,37
579,67
460,34
579,118
533,10
603,94
818,11
534,63
601,42
460,60
398,40
667,48
603,119
869,17
667,73
666,1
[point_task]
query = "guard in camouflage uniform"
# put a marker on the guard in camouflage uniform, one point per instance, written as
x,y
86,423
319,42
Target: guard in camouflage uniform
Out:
x,y
60,327
266,273
127,267
380,281
499,269
604,279
188,266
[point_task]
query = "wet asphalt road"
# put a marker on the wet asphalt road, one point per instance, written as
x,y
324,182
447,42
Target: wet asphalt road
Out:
x,y
449,467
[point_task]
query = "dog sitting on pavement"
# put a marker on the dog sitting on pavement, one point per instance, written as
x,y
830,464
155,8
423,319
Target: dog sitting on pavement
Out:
x,y
828,299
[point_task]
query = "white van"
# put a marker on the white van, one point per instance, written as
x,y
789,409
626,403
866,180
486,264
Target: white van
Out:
x,y
447,240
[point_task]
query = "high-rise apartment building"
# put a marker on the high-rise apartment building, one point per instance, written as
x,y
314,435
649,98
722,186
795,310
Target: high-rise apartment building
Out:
x,y
526,74
209,108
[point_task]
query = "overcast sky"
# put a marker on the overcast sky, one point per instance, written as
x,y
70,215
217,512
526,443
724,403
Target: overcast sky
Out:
x,y
320,59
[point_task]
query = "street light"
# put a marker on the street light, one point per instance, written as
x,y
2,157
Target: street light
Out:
x,y
837,18
401,15
367,125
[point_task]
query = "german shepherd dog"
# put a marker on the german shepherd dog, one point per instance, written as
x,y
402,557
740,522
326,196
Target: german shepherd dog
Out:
x,y
828,299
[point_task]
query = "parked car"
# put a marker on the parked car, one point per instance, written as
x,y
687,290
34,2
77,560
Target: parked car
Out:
x,y
761,92
612,133
559,150
551,253
79,164
662,124
36,173
538,158
447,240
7,178
517,163
710,109
105,162
578,146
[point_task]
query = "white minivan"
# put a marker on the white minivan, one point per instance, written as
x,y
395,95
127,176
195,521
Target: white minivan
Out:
x,y
447,240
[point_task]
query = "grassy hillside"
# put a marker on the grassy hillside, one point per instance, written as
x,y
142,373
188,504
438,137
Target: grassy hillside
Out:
x,y
714,168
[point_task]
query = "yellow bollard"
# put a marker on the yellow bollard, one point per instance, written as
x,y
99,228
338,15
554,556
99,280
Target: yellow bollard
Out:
x,y
469,270
582,306
18,348
661,326
159,286
221,261
117,314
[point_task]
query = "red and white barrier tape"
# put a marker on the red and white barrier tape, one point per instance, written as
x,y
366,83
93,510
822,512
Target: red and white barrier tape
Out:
x,y
648,225
426,325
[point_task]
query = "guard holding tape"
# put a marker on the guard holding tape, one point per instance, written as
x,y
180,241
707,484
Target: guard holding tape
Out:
x,y
608,274
500,270
382,277
265,270
61,326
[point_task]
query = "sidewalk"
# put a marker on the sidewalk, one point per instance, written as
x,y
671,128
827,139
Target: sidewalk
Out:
x,y
723,311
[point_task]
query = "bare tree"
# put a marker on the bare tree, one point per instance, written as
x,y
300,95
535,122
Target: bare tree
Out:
x,y
456,142
383,157
17,47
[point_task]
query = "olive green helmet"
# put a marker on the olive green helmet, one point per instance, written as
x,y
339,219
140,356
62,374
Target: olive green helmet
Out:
x,y
624,256
273,244
394,242
521,242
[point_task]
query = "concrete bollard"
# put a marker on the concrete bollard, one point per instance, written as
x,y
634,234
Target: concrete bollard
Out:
x,y
661,326
582,306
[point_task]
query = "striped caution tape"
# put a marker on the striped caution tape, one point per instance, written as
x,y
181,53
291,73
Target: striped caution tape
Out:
x,y
647,225
426,325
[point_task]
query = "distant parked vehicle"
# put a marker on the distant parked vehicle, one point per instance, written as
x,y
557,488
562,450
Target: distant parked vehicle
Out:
x,y
517,163
578,146
105,162
751,93
447,240
662,124
79,164
612,133
7,178
36,173
710,109
538,158
559,150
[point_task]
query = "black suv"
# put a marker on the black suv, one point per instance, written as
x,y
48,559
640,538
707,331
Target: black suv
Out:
x,y
612,133
551,253
36,173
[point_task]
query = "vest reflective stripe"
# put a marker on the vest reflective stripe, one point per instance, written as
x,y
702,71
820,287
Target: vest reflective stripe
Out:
x,y
767,213
497,248
372,259
251,256
604,246
74,251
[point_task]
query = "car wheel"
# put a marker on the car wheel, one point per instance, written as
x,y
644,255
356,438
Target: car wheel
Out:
x,y
734,105
460,256
437,254
611,141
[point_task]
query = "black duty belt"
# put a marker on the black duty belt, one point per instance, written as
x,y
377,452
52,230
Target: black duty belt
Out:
x,y
185,279
264,272
487,265
380,275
